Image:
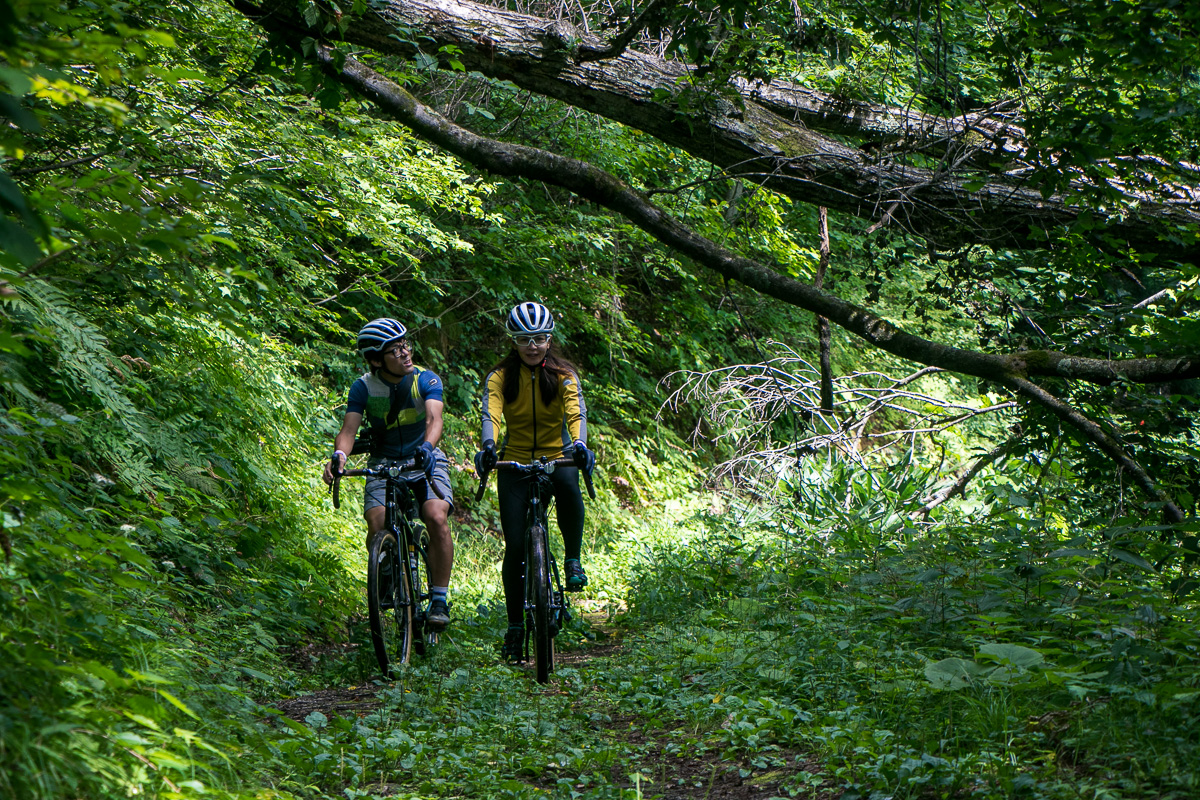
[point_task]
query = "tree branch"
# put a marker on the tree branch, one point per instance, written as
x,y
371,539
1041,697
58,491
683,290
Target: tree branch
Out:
x,y
594,184
788,148
600,187
960,485
5,284
75,162
1095,434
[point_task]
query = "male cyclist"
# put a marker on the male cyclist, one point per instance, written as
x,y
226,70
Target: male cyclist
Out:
x,y
402,404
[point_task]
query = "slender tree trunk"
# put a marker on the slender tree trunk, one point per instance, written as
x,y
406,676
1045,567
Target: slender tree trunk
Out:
x,y
823,337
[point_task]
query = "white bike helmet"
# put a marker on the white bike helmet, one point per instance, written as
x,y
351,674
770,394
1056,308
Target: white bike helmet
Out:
x,y
378,333
529,318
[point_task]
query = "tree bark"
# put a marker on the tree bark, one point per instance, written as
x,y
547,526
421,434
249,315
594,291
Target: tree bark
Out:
x,y
774,135
823,336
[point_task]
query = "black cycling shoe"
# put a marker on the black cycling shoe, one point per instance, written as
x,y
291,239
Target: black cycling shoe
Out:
x,y
513,648
576,577
438,616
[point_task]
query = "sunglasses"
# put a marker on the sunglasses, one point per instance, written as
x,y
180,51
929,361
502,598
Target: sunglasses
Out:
x,y
524,341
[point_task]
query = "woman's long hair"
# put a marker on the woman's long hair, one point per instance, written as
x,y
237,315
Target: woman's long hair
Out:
x,y
550,377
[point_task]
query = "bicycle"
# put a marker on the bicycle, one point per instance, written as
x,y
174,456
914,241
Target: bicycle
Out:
x,y
397,587
546,611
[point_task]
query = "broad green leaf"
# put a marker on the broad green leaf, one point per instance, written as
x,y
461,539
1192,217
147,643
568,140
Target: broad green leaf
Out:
x,y
1013,655
953,673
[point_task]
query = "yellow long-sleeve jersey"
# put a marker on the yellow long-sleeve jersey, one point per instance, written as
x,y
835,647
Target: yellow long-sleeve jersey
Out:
x,y
532,429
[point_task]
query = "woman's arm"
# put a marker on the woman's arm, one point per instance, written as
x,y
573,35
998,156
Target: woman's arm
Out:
x,y
492,406
574,408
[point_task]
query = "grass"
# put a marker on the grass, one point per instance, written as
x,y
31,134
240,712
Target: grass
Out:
x,y
759,656
750,663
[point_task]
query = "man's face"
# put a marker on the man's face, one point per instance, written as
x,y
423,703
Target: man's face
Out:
x,y
397,357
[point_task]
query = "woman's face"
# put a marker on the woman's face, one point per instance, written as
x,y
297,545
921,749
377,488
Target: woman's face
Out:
x,y
532,349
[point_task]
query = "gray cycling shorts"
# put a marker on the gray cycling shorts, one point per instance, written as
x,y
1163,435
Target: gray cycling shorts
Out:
x,y
374,495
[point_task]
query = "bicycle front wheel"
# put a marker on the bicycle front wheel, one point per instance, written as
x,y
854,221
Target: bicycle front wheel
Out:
x,y
418,569
388,603
537,572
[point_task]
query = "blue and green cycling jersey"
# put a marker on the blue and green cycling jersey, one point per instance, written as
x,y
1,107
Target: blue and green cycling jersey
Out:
x,y
379,401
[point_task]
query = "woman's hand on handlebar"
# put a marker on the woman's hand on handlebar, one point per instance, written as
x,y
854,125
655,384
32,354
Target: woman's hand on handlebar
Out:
x,y
485,459
584,458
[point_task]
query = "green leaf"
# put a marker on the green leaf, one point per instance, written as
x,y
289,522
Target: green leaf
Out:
x,y
1012,655
953,673
175,701
312,14
1130,558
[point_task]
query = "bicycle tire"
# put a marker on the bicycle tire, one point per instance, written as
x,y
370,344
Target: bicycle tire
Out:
x,y
420,590
538,574
388,606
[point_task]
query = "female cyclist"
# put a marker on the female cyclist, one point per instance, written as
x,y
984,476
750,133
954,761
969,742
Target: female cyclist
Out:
x,y
538,396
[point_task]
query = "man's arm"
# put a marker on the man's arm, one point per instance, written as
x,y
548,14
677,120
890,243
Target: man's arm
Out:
x,y
433,421
344,441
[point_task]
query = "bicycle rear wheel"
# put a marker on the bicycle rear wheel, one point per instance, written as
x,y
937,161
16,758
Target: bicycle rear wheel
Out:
x,y
537,572
388,603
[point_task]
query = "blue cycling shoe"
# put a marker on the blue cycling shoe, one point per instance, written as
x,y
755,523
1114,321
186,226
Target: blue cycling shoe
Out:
x,y
576,577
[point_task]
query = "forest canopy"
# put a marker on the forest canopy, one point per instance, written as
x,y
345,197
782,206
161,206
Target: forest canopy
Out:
x,y
1029,164
888,319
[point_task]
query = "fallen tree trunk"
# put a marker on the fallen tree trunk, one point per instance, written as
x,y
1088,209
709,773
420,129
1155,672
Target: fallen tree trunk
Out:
x,y
771,135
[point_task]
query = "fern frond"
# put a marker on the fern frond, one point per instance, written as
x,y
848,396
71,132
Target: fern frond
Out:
x,y
84,358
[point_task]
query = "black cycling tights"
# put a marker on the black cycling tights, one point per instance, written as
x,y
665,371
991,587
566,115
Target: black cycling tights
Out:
x,y
513,493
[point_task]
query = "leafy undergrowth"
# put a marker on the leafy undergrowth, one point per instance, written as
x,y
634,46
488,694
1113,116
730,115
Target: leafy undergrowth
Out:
x,y
750,665
462,724
965,664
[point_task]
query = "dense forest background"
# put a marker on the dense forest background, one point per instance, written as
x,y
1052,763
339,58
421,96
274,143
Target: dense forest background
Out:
x,y
958,561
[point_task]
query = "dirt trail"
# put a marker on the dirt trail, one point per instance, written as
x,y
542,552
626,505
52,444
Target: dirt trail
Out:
x,y
654,766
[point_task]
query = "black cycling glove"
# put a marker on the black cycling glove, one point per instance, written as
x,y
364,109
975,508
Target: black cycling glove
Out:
x,y
486,458
584,459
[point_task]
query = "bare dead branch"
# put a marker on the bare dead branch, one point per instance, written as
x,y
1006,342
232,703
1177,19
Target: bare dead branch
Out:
x,y
959,486
647,15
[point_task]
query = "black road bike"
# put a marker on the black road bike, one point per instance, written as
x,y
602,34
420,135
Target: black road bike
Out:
x,y
546,611
397,566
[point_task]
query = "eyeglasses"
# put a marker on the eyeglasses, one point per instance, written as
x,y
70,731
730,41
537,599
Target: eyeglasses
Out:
x,y
398,350
524,341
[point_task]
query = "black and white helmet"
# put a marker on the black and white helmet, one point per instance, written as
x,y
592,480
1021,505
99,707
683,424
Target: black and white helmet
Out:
x,y
378,333
529,318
